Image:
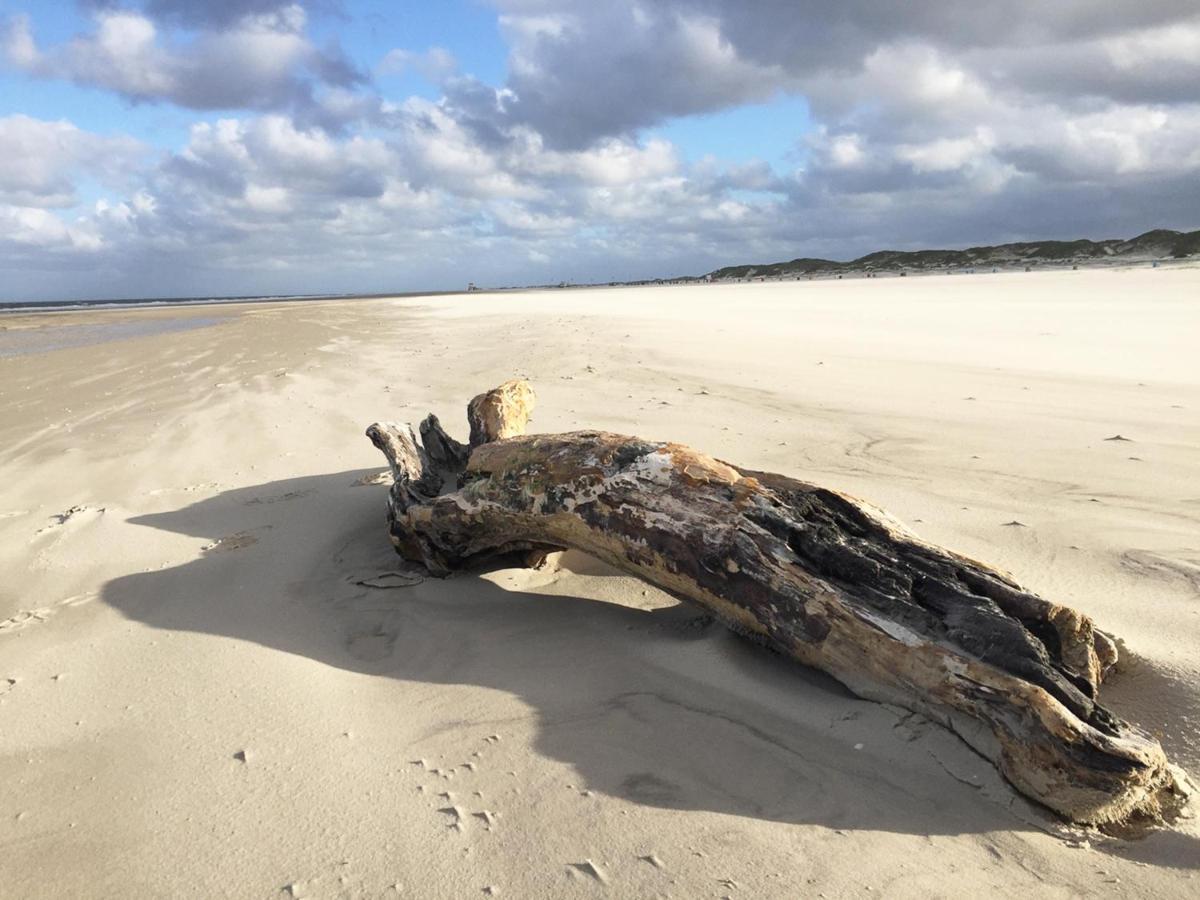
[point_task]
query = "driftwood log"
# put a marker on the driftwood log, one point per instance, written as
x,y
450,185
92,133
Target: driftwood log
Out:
x,y
809,572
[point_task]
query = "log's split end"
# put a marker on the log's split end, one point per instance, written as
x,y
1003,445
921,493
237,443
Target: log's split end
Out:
x,y
811,573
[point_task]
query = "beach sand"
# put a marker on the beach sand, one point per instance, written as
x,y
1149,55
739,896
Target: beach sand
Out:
x,y
199,696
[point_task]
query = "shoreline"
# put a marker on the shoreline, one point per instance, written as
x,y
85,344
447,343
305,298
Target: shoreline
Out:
x,y
49,306
15,308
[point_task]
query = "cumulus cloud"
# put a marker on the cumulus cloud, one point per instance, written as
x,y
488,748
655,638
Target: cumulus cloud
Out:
x,y
44,227
931,126
1019,120
261,60
208,13
43,161
425,199
580,72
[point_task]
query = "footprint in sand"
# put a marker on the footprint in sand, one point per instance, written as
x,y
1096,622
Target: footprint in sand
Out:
x,y
279,498
24,619
28,617
78,599
76,513
187,489
238,541
63,517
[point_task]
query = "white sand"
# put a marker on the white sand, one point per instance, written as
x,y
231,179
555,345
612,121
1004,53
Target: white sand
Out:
x,y
567,733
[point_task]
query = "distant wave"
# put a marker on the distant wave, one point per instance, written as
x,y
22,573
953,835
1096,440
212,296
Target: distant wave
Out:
x,y
62,305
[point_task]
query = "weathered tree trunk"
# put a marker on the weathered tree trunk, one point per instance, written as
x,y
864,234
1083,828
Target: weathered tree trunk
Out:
x,y
814,574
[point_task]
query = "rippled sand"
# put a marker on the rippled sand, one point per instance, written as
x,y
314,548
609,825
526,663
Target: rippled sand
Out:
x,y
210,687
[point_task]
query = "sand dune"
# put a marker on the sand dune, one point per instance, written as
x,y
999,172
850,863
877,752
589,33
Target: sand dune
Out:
x,y
216,679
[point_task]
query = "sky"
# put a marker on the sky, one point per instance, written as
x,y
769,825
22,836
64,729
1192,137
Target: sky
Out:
x,y
153,148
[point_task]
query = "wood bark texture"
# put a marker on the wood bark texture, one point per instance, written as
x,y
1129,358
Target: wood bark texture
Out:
x,y
811,573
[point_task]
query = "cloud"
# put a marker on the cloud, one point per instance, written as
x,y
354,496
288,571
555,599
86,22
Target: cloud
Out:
x,y
43,161
581,70
427,199
210,13
1146,65
261,60
601,70
1020,120
929,127
43,225
435,64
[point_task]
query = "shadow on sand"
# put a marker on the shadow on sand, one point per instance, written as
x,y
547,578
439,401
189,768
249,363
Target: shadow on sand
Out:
x,y
644,706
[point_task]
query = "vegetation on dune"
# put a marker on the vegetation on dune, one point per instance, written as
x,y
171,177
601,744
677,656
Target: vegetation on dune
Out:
x,y
1161,243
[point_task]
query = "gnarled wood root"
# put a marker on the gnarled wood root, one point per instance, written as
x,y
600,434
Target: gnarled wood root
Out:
x,y
812,573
